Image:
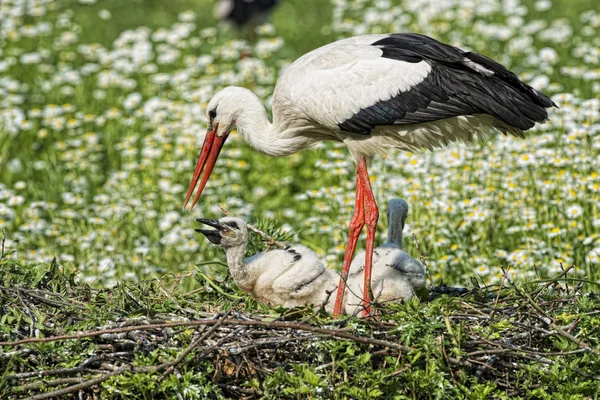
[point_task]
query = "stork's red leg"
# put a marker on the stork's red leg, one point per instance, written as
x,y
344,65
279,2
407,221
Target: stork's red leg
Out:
x,y
371,218
356,225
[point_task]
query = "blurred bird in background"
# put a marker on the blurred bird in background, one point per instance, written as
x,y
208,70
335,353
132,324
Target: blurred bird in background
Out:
x,y
245,15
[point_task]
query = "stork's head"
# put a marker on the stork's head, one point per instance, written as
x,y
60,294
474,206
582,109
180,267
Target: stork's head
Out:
x,y
222,113
227,232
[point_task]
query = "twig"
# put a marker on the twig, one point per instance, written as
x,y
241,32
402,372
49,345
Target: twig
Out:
x,y
53,303
321,306
193,345
498,295
55,382
215,286
552,325
80,386
272,341
577,341
399,371
525,349
50,372
270,240
277,325
242,390
3,241
423,257
552,282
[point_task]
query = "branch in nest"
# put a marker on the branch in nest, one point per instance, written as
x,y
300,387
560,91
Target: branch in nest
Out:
x,y
265,324
80,386
3,241
423,257
541,313
193,345
268,238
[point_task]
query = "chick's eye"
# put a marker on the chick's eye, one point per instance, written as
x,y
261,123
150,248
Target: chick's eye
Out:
x,y
233,225
212,113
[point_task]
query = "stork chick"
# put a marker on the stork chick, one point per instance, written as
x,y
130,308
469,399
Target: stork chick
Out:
x,y
290,277
396,275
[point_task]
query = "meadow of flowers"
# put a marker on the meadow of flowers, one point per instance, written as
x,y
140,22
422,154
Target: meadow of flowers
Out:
x,y
102,115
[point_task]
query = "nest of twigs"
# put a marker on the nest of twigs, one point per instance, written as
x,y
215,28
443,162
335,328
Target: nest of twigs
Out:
x,y
60,339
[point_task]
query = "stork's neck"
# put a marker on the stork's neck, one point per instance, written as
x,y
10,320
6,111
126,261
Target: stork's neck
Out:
x,y
271,139
238,268
396,220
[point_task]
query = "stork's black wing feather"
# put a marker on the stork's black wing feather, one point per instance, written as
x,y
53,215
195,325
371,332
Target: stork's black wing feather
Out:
x,y
459,83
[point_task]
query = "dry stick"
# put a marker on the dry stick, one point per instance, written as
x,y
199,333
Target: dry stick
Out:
x,y
80,386
423,258
498,296
55,382
275,341
577,341
552,325
49,372
239,389
175,302
552,282
193,345
53,303
277,325
273,325
270,239
3,240
515,350
558,329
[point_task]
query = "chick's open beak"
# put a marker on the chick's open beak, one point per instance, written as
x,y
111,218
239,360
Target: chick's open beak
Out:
x,y
213,235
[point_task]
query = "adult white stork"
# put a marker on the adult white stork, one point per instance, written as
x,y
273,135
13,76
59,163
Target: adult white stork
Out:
x,y
374,92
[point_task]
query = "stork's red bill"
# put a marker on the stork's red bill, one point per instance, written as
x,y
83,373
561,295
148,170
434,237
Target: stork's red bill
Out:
x,y
209,153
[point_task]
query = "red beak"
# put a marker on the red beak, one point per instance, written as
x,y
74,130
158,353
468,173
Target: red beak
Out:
x,y
208,156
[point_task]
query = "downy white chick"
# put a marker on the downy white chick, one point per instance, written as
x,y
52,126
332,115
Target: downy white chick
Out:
x,y
396,275
289,277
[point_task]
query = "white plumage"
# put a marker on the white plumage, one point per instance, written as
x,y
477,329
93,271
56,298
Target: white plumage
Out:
x,y
290,277
396,275
336,81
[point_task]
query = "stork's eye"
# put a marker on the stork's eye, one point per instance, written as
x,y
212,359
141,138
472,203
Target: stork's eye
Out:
x,y
234,225
212,113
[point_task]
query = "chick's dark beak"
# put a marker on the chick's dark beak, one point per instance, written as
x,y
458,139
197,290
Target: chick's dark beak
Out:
x,y
211,222
213,235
